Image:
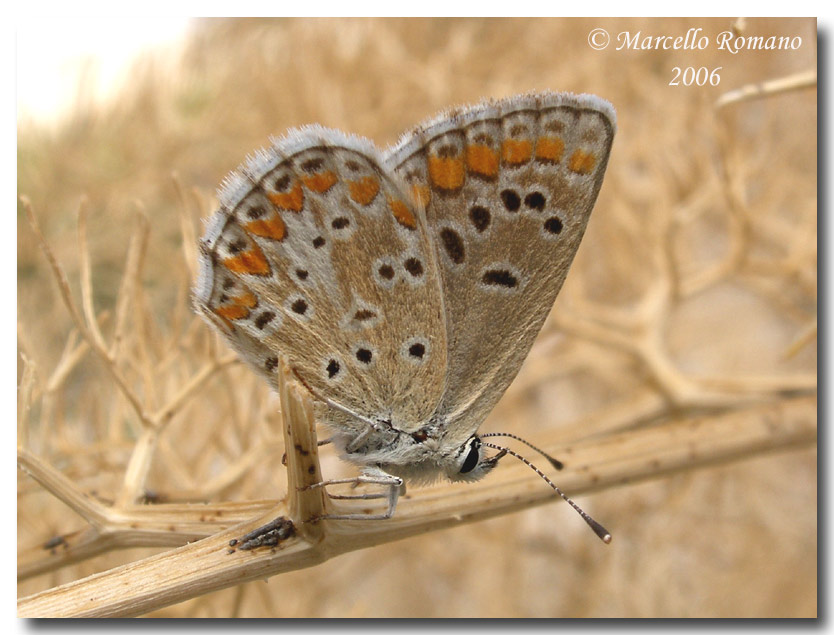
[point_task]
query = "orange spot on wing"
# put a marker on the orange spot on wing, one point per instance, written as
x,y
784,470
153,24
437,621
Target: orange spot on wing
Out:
x,y
550,149
516,151
237,308
247,299
232,312
364,190
420,194
250,261
273,228
320,181
482,160
582,162
292,200
402,213
447,173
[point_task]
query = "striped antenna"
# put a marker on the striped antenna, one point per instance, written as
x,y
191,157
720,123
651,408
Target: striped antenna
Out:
x,y
553,461
599,530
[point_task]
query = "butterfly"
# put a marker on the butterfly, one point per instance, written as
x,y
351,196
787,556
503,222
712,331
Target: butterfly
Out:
x,y
405,288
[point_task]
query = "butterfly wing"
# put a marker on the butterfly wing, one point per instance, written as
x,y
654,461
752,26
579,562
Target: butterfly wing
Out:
x,y
318,255
508,188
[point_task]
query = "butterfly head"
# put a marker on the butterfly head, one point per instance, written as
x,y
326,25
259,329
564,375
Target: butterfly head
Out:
x,y
421,457
469,462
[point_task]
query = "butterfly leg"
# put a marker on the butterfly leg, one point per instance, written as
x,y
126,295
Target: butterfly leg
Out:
x,y
369,476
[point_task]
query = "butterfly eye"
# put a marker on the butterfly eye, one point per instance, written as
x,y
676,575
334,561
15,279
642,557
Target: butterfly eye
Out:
x,y
473,457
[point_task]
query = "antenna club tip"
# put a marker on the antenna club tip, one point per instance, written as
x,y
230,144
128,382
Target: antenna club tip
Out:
x,y
556,463
601,532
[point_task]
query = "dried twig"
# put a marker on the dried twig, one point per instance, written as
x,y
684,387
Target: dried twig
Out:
x,y
209,564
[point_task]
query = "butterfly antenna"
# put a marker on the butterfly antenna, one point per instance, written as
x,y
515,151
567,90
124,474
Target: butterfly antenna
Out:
x,y
553,461
599,530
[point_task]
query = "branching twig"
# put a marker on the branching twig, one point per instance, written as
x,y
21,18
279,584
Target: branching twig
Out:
x,y
208,565
66,294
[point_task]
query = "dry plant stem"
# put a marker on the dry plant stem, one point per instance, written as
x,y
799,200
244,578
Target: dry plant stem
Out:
x,y
207,565
189,238
82,327
797,81
303,470
152,423
73,353
62,488
24,396
640,334
87,280
144,450
806,336
126,527
171,525
130,280
168,525
165,413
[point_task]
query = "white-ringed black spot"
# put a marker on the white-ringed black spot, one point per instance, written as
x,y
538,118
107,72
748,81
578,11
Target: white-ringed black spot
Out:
x,y
264,318
302,274
511,200
499,278
299,306
415,350
480,218
535,200
312,165
553,225
282,183
364,355
385,272
363,315
418,349
236,246
453,244
414,267
340,223
333,368
359,317
255,212
318,241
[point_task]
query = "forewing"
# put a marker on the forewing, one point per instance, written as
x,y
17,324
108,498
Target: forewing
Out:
x,y
508,188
